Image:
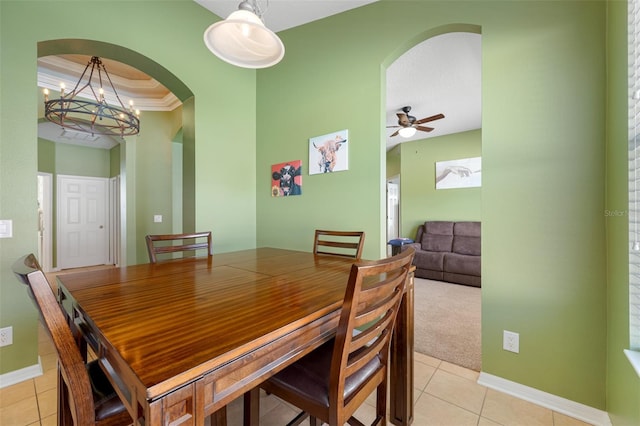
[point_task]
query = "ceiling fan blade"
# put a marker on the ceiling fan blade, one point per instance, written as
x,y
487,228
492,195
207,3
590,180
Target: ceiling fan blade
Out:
x,y
402,119
424,129
392,127
432,118
394,133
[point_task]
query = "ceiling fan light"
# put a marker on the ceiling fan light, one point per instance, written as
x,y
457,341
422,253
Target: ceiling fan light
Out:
x,y
407,132
243,40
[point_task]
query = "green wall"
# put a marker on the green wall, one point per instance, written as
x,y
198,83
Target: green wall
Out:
x,y
154,176
543,198
543,90
393,161
46,156
82,161
114,161
219,97
419,199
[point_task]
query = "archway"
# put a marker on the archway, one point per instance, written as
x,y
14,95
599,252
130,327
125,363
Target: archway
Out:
x,y
129,246
413,160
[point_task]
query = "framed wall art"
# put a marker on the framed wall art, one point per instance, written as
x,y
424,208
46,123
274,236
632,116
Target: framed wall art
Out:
x,y
329,153
462,173
286,179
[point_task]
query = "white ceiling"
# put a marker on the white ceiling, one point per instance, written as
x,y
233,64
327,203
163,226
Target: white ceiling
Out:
x,y
280,15
439,75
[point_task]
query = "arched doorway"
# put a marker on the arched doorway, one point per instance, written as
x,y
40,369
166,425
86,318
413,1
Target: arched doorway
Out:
x,y
438,71
130,194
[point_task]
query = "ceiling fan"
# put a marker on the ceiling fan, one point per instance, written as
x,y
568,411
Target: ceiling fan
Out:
x,y
409,122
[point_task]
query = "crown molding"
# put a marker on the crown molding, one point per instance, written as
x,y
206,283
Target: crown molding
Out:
x,y
147,94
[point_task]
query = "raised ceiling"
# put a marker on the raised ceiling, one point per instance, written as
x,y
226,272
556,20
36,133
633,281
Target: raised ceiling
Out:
x,y
130,83
440,75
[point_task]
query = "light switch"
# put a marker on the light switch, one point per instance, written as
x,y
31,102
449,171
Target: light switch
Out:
x,y
157,218
6,228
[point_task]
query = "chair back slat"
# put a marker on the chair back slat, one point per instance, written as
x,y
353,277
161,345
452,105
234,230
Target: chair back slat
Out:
x,y
70,361
339,243
363,357
369,310
187,243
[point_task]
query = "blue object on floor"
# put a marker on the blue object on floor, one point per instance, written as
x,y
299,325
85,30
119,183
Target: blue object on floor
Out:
x,y
397,243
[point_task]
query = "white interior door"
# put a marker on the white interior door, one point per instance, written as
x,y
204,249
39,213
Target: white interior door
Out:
x,y
82,221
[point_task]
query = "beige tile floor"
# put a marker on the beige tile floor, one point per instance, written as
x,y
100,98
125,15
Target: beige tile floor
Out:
x,y
445,395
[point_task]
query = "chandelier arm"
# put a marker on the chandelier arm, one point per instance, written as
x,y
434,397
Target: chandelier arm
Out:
x,y
100,68
75,89
95,96
75,92
115,92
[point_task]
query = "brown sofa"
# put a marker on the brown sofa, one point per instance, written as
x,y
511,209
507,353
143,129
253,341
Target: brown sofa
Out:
x,y
448,251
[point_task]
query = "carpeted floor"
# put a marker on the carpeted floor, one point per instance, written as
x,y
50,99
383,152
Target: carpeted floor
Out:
x,y
447,322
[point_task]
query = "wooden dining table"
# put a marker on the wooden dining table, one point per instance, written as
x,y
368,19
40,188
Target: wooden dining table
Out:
x,y
181,339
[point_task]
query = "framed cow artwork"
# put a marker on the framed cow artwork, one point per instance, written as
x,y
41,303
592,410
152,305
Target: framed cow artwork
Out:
x,y
286,179
329,153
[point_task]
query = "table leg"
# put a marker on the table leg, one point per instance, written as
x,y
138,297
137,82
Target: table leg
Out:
x,y
252,407
401,380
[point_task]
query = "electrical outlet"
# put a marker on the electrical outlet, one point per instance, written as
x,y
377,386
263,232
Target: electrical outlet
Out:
x,y
157,218
511,341
6,336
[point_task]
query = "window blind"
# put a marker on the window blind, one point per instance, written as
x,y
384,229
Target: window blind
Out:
x,y
634,172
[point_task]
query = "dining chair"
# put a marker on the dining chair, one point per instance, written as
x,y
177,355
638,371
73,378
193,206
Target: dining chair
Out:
x,y
85,395
188,242
339,243
331,382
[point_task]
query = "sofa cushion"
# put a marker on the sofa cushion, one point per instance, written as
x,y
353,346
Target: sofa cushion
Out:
x,y
462,264
439,227
466,245
419,234
431,242
469,229
438,236
429,260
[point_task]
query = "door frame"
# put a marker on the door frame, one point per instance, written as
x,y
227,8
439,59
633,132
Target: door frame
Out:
x,y
45,223
396,181
113,220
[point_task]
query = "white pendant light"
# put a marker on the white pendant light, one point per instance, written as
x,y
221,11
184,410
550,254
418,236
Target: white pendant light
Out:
x,y
407,132
243,40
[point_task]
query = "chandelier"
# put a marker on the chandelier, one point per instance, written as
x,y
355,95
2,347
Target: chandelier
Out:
x,y
92,114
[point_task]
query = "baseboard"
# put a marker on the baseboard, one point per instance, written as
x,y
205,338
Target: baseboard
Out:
x,y
561,405
17,376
